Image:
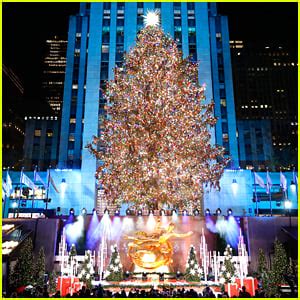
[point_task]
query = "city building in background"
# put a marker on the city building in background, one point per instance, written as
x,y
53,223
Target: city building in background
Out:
x,y
265,87
53,77
41,142
255,144
12,122
97,39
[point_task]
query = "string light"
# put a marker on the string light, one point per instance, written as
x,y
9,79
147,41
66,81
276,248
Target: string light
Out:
x,y
155,145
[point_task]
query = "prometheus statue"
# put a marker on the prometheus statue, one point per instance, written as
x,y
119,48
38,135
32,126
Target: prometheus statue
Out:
x,y
152,250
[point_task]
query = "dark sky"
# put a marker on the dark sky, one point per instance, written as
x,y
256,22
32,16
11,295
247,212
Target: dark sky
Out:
x,y
26,26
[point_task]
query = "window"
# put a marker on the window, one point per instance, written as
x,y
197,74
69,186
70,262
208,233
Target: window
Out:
x,y
49,133
37,132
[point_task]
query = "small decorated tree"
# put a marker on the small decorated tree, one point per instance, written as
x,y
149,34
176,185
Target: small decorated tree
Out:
x,y
262,269
278,269
193,271
72,260
87,271
39,268
114,270
228,270
22,274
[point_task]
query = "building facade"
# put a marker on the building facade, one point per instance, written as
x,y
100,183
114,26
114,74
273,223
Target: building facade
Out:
x,y
265,86
41,142
97,39
54,65
255,144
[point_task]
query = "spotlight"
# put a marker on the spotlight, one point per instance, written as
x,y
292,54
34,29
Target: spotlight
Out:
x,y
94,211
151,212
15,205
127,211
218,211
174,212
184,212
72,212
229,212
83,211
196,212
178,274
106,211
117,212
207,212
287,204
162,212
140,212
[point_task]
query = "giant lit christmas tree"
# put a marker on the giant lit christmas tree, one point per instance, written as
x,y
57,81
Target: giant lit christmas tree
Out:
x,y
155,143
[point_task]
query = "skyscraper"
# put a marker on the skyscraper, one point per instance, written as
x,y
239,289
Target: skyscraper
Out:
x,y
97,39
54,72
265,86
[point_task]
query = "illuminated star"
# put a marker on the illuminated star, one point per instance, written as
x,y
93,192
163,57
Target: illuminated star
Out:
x,y
151,18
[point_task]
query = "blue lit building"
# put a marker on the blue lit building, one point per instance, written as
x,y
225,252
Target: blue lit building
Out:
x,y
97,39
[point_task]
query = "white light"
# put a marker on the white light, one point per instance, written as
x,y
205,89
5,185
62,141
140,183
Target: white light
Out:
x,y
288,204
15,205
151,18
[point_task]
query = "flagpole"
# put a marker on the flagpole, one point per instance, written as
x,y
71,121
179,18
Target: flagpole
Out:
x,y
5,196
18,209
48,186
34,179
296,184
255,194
270,195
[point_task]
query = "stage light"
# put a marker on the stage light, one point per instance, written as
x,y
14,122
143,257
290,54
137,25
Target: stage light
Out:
x,y
218,211
151,212
174,212
127,211
94,211
178,274
72,212
162,212
207,212
293,187
184,212
84,211
229,212
117,212
106,211
15,205
196,212
140,213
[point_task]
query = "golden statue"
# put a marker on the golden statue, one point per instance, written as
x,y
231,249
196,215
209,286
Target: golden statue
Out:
x,y
152,250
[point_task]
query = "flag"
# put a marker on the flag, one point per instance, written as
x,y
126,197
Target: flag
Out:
x,y
37,177
9,186
283,182
50,180
258,180
295,178
27,181
4,188
269,183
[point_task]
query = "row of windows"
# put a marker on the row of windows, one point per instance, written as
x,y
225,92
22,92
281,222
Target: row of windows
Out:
x,y
38,132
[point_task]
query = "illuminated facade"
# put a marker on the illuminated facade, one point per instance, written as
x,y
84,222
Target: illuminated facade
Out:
x,y
97,38
54,72
265,86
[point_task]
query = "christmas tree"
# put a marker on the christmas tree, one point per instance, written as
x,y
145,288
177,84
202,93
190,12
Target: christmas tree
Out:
x,y
193,271
228,269
87,271
39,268
114,270
22,274
155,145
262,269
278,269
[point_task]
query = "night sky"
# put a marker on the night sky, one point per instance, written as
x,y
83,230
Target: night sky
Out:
x,y
26,26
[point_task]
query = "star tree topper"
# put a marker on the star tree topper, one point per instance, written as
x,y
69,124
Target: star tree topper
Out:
x,y
151,18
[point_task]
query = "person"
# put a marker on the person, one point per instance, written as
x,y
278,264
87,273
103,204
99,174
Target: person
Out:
x,y
243,293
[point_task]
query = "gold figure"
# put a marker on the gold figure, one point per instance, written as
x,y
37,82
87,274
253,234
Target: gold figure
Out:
x,y
152,250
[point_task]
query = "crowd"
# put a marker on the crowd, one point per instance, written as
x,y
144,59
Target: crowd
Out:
x,y
100,292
